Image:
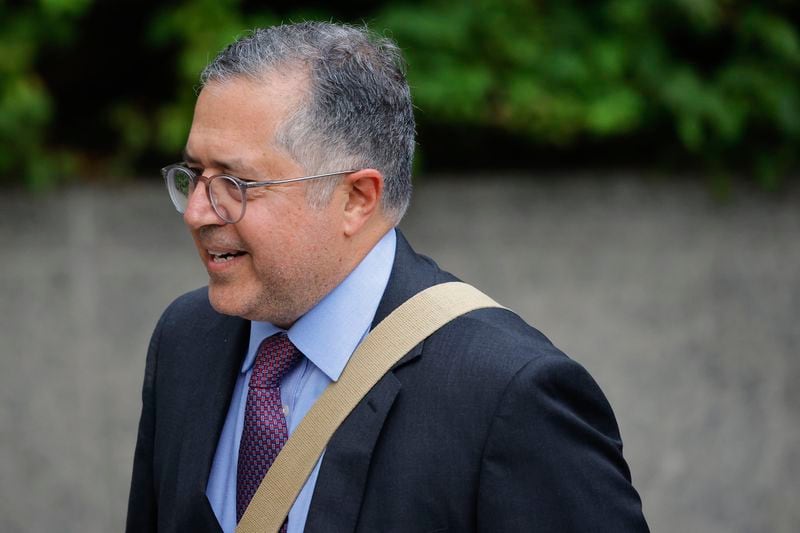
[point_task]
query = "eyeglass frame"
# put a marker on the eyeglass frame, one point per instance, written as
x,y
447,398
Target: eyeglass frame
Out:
x,y
240,183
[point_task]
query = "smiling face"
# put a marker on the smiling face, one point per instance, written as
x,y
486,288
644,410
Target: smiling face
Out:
x,y
283,256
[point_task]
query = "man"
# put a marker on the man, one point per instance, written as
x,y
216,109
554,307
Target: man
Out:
x,y
296,171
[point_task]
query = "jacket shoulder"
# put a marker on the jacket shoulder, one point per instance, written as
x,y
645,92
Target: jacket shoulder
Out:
x,y
191,321
187,305
496,339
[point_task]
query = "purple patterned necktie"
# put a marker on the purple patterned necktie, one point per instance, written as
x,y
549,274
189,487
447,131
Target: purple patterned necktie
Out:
x,y
264,432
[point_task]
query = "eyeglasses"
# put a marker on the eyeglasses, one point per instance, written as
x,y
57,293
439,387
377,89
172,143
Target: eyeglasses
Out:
x,y
227,194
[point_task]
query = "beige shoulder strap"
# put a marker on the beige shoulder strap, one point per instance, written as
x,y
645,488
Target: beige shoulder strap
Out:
x,y
395,336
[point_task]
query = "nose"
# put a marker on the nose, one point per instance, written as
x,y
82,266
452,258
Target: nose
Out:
x,y
198,211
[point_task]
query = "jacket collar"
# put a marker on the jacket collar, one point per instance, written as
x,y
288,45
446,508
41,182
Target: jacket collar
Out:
x,y
411,273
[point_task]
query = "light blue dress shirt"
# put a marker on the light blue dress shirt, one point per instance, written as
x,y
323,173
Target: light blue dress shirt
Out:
x,y
327,335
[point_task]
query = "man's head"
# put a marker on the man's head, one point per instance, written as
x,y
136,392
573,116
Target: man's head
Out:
x,y
355,108
294,101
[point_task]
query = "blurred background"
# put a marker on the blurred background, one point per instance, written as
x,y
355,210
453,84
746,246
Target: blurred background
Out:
x,y
623,173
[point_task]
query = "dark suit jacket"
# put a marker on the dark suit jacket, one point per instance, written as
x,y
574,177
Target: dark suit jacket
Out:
x,y
485,426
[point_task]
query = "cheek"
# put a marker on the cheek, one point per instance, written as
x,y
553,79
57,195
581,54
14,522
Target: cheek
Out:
x,y
322,232
291,237
275,249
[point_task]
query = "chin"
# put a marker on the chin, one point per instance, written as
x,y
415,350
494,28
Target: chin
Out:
x,y
250,304
226,302
235,303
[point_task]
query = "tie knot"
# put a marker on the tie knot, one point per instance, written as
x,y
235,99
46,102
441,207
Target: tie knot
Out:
x,y
276,356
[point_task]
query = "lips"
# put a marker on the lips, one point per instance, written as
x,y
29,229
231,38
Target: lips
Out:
x,y
217,256
220,250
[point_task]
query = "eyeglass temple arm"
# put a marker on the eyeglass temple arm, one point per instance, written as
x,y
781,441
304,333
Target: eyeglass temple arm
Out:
x,y
250,184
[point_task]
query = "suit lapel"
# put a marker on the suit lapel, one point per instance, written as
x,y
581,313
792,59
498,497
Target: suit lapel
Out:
x,y
345,465
344,471
218,363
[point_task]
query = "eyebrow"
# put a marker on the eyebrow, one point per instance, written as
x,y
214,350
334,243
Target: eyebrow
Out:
x,y
235,166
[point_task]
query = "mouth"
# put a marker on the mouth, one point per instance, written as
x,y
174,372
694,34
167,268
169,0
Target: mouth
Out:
x,y
224,256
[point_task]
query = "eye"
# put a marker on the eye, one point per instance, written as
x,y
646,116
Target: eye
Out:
x,y
194,168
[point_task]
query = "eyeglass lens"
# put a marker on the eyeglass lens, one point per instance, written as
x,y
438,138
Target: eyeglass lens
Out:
x,y
225,195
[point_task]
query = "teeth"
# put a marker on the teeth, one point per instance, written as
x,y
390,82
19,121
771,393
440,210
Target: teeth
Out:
x,y
220,257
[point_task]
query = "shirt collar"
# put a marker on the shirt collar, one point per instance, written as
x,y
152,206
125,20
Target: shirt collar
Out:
x,y
329,333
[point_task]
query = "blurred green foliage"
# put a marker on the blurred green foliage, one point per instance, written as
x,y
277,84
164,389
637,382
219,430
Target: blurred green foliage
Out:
x,y
26,106
720,79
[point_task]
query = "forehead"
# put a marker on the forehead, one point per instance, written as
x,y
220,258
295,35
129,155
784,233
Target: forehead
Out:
x,y
237,119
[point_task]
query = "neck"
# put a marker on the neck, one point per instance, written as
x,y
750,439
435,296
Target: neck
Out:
x,y
359,245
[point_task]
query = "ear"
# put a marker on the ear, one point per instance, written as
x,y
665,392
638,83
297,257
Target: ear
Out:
x,y
364,191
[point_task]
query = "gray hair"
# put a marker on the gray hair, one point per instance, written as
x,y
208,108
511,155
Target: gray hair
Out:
x,y
358,113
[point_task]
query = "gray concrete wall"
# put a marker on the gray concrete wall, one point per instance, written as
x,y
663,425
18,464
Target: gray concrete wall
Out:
x,y
685,311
